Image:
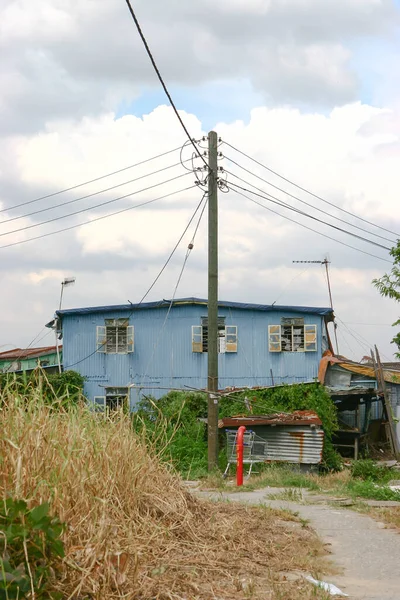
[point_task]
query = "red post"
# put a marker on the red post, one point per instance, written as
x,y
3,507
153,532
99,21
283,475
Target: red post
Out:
x,y
239,455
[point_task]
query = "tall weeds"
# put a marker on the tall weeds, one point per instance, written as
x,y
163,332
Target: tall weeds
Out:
x,y
133,530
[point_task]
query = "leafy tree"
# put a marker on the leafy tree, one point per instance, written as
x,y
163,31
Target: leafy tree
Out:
x,y
389,287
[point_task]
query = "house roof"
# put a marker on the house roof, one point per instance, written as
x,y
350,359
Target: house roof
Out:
x,y
312,310
21,353
298,417
390,375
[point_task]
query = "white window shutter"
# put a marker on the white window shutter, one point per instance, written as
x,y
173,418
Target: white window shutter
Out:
x,y
310,338
99,404
197,338
231,338
274,338
101,338
130,340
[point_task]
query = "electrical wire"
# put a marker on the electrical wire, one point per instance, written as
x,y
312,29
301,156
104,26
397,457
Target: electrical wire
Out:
x,y
274,200
82,210
308,204
310,228
311,193
118,212
188,252
158,275
153,62
27,348
68,202
74,187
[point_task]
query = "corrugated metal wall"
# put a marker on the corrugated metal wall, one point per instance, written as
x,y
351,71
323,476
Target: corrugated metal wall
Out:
x,y
292,444
163,355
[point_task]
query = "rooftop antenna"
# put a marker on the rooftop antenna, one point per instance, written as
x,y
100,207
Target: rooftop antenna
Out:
x,y
325,262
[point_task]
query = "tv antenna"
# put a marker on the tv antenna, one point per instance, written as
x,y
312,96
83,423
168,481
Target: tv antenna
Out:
x,y
325,262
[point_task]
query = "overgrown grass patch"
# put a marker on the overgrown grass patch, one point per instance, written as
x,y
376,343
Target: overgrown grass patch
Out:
x,y
132,529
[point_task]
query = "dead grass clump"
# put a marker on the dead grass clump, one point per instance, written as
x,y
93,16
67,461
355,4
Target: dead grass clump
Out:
x,y
132,529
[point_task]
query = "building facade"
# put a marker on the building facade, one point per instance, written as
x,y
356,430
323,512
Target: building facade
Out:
x,y
27,359
131,350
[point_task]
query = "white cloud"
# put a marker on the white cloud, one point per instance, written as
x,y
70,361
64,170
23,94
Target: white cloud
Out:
x,y
338,156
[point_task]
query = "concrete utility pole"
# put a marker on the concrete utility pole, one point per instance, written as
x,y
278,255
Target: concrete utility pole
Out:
x,y
212,379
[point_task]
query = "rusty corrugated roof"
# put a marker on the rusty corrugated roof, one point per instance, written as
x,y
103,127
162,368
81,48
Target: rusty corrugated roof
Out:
x,y
299,417
21,353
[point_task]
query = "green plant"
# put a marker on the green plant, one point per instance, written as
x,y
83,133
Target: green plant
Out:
x,y
368,470
56,389
288,398
369,489
30,548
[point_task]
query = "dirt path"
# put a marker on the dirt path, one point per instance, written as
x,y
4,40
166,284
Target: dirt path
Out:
x,y
367,553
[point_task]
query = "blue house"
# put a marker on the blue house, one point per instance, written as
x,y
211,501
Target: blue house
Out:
x,y
149,348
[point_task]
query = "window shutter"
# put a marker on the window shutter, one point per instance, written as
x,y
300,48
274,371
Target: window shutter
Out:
x,y
197,338
99,403
130,341
231,337
101,338
274,338
310,338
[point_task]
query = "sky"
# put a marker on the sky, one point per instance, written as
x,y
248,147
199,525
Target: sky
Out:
x,y
307,88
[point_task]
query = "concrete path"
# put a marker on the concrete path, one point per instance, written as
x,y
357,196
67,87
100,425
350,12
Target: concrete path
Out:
x,y
366,552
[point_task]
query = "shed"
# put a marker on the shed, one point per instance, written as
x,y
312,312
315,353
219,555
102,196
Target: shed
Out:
x,y
294,438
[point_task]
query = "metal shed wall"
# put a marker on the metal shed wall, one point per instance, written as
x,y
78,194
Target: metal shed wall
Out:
x,y
299,444
163,356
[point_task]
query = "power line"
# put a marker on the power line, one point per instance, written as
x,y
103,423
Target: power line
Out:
x,y
310,228
158,275
68,202
307,203
153,62
188,251
275,200
311,193
118,212
74,187
82,210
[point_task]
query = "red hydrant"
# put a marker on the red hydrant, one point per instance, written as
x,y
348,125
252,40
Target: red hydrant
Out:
x,y
239,455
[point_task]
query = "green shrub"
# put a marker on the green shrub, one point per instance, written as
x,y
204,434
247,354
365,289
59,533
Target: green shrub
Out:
x,y
57,389
30,550
368,470
174,423
288,398
369,489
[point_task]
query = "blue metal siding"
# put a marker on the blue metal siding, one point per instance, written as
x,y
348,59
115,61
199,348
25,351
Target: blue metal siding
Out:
x,y
163,356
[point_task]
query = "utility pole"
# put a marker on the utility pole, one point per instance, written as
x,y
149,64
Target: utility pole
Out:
x,y
326,263
212,356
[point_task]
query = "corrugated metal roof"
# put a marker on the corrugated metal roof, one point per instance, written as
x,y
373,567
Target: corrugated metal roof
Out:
x,y
390,376
21,353
299,417
198,301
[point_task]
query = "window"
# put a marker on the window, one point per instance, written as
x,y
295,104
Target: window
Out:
x,y
292,335
115,398
227,336
115,337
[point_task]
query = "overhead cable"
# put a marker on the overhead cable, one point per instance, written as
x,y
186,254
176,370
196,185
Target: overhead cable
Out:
x,y
118,212
158,275
161,80
308,204
82,210
275,200
310,228
311,193
68,202
74,187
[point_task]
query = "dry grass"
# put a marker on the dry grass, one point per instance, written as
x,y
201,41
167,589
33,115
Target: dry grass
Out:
x,y
389,515
134,531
